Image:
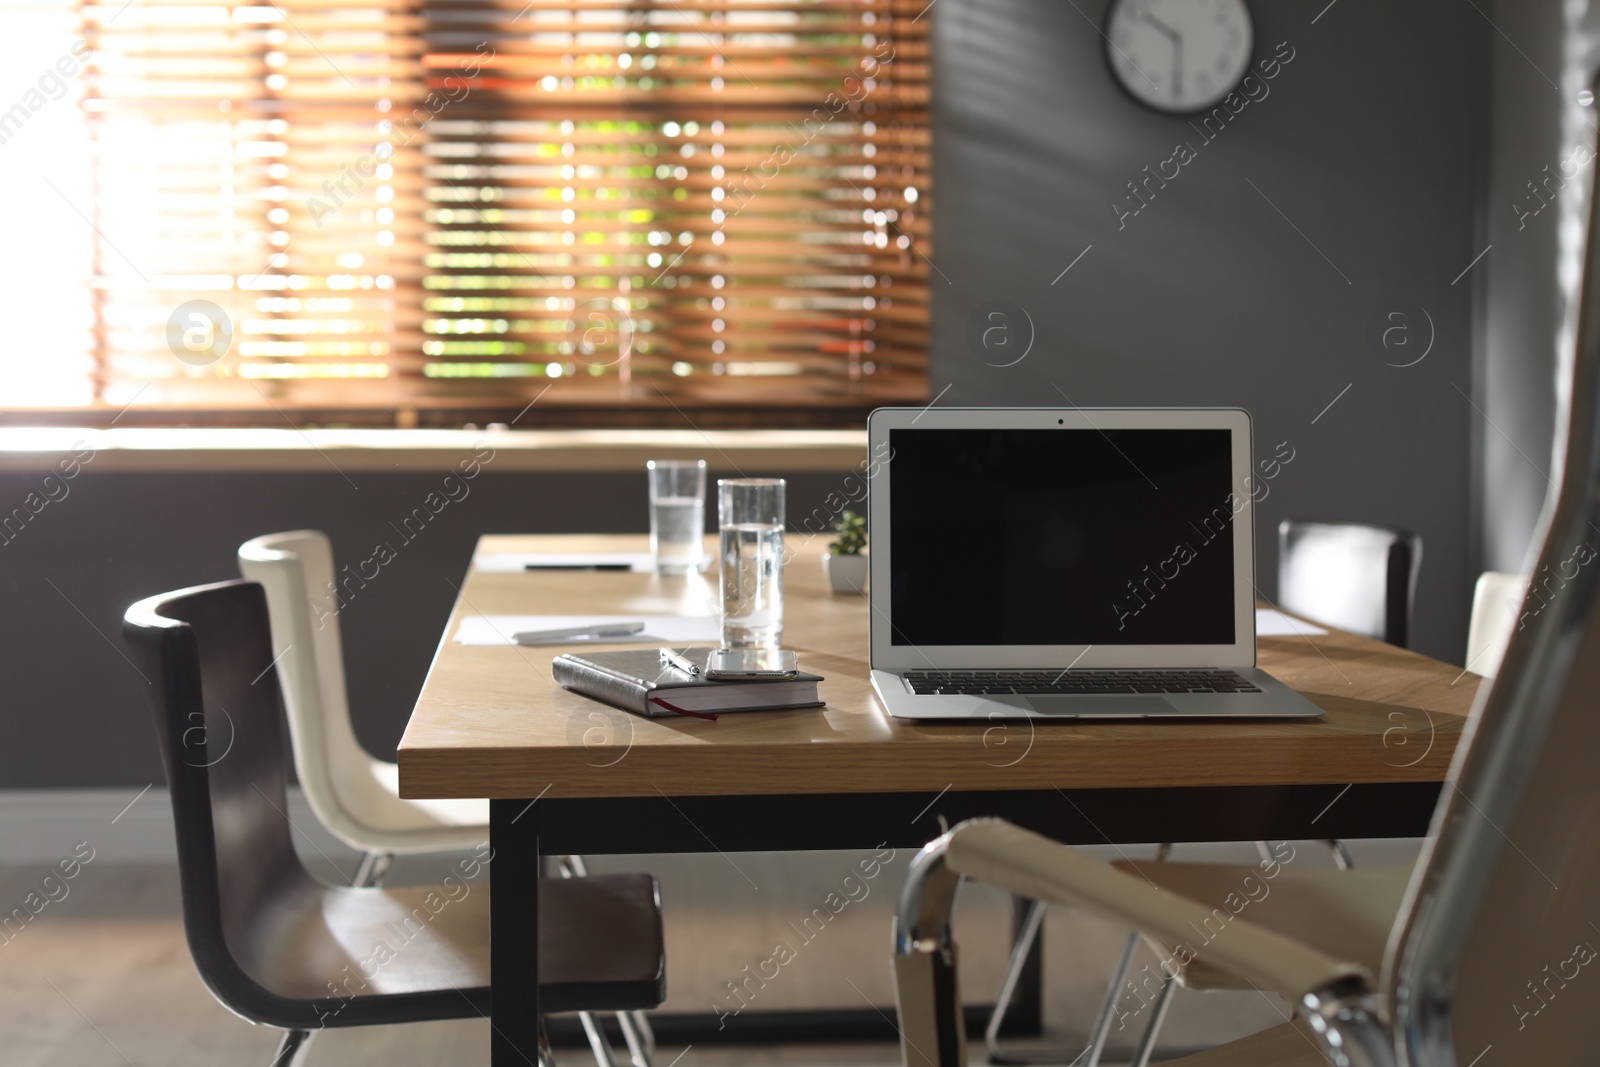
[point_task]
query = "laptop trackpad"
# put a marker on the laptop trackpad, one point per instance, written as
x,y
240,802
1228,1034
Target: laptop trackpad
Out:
x,y
1101,706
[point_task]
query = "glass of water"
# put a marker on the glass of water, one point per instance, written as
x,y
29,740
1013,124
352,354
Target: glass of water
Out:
x,y
750,513
677,514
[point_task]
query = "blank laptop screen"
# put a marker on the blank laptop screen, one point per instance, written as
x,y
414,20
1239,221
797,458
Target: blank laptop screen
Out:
x,y
1061,537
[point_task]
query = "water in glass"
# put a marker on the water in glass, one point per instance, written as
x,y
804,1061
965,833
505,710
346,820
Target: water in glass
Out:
x,y
677,514
752,585
676,526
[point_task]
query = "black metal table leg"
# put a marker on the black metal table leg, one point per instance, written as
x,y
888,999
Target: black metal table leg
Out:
x,y
514,933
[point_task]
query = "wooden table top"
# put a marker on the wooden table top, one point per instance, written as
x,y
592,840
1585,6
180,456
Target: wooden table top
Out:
x,y
491,723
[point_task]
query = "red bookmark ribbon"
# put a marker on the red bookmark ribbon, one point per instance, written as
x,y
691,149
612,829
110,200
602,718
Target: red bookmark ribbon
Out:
x,y
681,711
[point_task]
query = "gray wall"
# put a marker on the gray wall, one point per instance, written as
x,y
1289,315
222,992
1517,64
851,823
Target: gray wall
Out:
x,y
1368,143
1519,291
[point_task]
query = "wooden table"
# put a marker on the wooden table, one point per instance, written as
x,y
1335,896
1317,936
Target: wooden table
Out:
x,y
568,775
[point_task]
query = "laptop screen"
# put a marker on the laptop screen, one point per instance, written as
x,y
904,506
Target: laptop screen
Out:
x,y
1061,537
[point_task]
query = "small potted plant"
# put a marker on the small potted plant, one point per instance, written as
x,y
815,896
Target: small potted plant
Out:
x,y
845,562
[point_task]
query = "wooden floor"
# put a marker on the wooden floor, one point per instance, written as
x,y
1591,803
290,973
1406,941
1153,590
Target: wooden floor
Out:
x,y
102,976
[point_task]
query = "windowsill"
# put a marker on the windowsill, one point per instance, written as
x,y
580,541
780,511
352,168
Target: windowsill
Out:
x,y
131,449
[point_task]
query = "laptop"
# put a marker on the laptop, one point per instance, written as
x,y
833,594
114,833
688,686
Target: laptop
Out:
x,y
1047,563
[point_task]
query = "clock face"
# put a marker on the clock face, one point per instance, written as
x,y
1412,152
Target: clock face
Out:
x,y
1179,55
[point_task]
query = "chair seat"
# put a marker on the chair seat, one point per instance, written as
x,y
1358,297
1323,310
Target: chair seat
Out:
x,y
600,944
1347,914
1289,1045
386,955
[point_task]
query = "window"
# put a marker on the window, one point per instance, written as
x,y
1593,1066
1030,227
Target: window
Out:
x,y
442,208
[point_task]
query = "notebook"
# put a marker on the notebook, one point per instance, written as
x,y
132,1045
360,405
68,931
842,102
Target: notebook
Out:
x,y
638,681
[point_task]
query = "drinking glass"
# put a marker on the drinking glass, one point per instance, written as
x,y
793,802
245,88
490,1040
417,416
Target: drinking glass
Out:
x,y
677,514
750,514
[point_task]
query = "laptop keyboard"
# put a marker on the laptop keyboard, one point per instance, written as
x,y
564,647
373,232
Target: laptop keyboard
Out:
x,y
1034,683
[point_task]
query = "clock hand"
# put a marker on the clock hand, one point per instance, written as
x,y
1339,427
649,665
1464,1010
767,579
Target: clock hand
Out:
x,y
1171,33
1176,38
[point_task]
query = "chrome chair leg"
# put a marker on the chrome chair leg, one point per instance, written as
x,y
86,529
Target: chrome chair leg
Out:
x,y
639,1051
1158,1016
1091,1053
1108,1010
1089,1056
546,1057
1341,855
598,1044
642,1022
374,868
1008,988
289,1048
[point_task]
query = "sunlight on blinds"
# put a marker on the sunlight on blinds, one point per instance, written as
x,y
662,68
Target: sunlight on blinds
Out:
x,y
453,204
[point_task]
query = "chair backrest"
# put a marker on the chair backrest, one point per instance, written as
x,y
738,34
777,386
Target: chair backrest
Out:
x,y
1497,603
297,572
1352,575
1497,954
208,658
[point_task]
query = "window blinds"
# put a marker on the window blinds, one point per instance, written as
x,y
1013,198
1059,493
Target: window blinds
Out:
x,y
451,205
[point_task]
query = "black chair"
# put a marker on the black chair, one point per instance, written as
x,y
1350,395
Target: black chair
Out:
x,y
1351,575
279,947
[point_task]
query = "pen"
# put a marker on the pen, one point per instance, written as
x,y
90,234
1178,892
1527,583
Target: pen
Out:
x,y
542,637
577,566
672,659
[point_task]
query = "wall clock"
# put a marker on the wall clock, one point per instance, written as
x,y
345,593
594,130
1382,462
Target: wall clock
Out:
x,y
1178,56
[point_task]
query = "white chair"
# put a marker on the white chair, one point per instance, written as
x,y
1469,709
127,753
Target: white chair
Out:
x,y
1496,601
354,794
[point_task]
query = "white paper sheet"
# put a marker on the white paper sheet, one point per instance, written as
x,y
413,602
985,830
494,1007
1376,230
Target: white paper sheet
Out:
x,y
1270,623
506,562
678,630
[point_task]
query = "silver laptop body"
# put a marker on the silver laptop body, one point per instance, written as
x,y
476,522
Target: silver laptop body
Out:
x,y
1067,563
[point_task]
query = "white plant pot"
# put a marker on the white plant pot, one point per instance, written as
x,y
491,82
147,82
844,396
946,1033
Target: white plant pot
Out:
x,y
846,574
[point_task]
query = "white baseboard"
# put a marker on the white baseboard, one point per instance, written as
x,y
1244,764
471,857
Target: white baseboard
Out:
x,y
41,826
